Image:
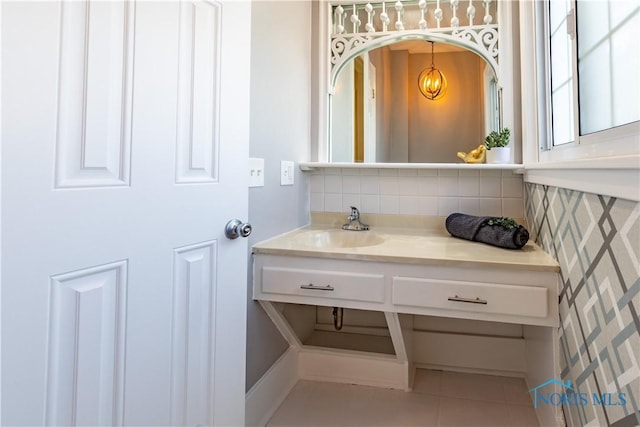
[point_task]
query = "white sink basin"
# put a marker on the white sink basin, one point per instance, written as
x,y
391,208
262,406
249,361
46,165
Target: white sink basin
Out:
x,y
338,239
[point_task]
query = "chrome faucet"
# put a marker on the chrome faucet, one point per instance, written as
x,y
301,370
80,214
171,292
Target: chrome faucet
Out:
x,y
354,223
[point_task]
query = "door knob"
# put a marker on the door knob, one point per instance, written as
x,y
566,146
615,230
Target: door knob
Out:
x,y
236,228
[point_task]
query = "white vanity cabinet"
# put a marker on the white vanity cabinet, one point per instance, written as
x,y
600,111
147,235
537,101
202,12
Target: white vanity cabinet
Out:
x,y
318,283
483,293
402,275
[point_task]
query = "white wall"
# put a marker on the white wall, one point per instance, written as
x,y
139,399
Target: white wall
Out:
x,y
414,129
439,129
342,106
381,58
398,98
280,130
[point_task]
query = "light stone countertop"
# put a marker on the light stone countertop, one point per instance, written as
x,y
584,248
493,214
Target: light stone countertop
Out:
x,y
426,242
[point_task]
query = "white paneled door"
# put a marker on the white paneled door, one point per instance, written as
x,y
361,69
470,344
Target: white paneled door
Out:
x,y
124,145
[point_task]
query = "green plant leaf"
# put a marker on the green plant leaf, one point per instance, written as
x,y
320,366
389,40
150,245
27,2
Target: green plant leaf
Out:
x,y
504,222
497,139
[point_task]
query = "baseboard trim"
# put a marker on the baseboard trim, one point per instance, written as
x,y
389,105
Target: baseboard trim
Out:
x,y
540,342
266,395
479,371
353,368
548,415
498,354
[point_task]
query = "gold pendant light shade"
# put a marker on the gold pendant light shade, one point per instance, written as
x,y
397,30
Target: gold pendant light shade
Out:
x,y
431,82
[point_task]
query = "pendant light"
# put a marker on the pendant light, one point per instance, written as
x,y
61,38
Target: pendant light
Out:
x,y
431,82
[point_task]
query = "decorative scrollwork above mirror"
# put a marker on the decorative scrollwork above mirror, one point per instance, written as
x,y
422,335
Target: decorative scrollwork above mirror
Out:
x,y
357,27
352,32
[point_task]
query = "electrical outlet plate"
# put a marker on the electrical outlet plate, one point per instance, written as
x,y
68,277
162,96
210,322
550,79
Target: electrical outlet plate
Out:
x,y
286,173
256,172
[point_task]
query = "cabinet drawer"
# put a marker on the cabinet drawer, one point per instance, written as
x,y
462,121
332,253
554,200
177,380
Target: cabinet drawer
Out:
x,y
477,297
323,284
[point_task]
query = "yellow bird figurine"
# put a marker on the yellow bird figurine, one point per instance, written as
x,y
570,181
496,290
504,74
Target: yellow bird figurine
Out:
x,y
474,156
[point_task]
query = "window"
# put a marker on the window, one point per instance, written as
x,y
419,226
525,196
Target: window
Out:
x,y
593,89
562,94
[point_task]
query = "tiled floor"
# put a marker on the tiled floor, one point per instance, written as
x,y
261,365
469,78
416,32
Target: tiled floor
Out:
x,y
438,399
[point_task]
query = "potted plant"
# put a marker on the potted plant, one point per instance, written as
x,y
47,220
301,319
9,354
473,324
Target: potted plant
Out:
x,y
496,143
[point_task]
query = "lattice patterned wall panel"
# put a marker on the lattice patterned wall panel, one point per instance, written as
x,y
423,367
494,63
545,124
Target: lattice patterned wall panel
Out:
x,y
596,240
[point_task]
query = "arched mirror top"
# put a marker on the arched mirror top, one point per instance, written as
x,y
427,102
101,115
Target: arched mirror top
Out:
x,y
360,26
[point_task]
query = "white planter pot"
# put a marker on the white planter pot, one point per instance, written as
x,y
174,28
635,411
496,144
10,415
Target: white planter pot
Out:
x,y
499,155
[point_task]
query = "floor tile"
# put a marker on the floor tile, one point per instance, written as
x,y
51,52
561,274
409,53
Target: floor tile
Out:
x,y
396,408
522,416
473,413
472,386
515,391
427,381
439,398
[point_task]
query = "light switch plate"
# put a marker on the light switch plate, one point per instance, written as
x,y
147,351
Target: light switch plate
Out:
x,y
256,172
286,173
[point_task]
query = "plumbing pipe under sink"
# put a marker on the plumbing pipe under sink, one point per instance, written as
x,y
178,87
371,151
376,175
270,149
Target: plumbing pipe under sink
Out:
x,y
337,317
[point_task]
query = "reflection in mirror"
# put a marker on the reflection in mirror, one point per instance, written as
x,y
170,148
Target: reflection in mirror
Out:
x,y
379,115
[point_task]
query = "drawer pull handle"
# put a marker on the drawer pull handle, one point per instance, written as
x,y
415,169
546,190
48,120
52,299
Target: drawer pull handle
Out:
x,y
469,300
316,287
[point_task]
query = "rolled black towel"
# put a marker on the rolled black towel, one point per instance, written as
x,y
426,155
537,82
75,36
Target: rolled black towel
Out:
x,y
496,231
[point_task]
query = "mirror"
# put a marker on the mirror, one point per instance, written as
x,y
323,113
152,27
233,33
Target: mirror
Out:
x,y
379,115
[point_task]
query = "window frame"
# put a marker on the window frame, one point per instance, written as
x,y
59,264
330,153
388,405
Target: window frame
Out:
x,y
590,145
606,162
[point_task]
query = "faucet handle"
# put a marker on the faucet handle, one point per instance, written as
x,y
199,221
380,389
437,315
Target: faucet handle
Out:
x,y
354,223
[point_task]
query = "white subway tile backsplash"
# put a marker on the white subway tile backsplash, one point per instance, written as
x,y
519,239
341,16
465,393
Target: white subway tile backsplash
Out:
x,y
407,172
389,185
491,206
512,187
469,173
333,202
447,172
491,187
448,186
370,184
349,171
470,206
417,191
429,206
409,205
349,200
333,183
388,172
389,205
448,205
351,184
408,186
367,171
370,203
428,186
513,208
490,174
468,186
317,202
316,184
428,172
